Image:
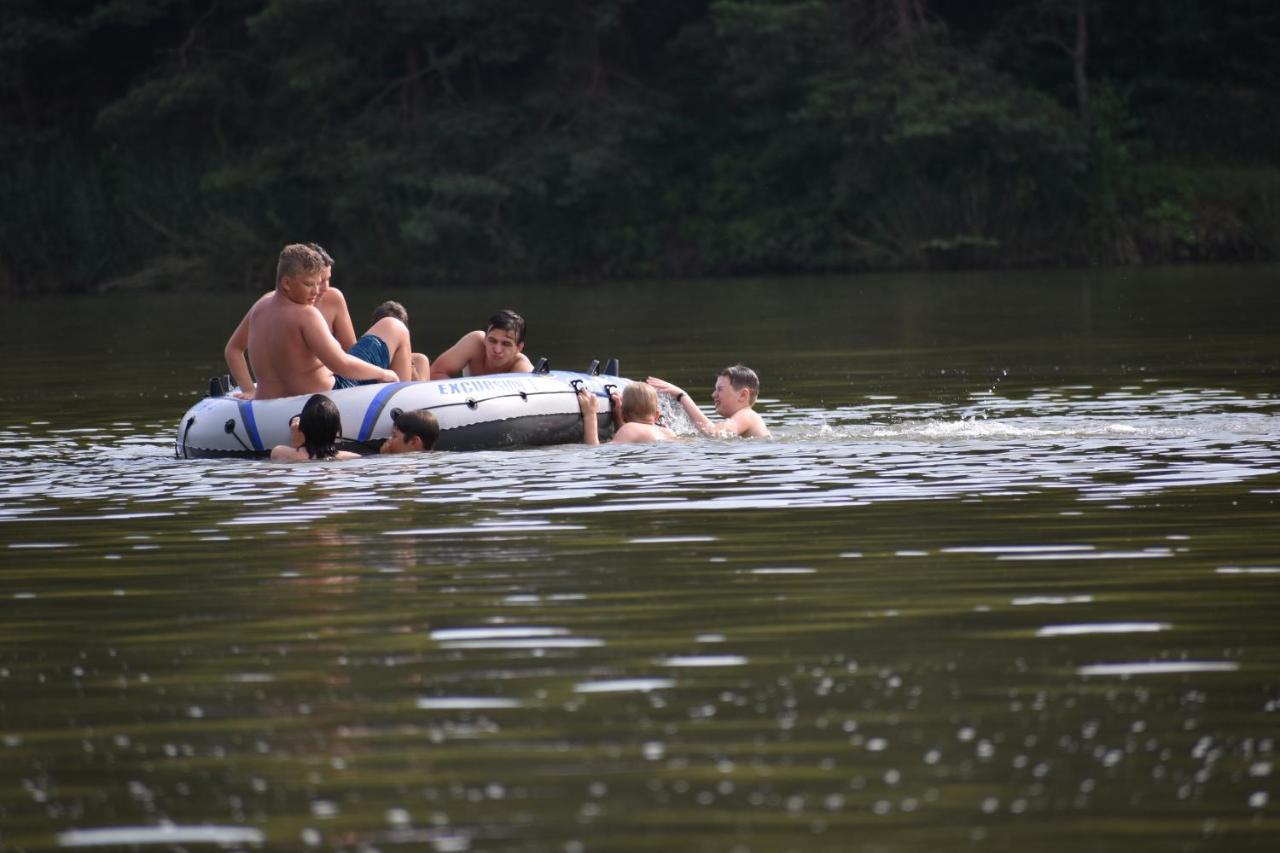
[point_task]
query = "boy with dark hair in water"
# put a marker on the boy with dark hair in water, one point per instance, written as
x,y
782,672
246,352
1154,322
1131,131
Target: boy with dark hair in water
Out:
x,y
412,432
314,433
736,391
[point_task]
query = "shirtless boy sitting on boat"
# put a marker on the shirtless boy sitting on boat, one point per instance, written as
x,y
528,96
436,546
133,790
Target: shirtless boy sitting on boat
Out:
x,y
332,305
498,349
737,388
421,365
294,350
637,409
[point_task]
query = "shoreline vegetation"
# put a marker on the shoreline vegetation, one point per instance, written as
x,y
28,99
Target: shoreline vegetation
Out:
x,y
175,144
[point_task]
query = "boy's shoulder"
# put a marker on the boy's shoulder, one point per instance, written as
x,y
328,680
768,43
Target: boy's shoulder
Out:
x,y
748,423
333,297
635,431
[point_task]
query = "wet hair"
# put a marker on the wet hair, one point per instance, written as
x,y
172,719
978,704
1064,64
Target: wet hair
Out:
x,y
508,321
740,376
296,259
638,399
321,424
391,308
325,256
419,422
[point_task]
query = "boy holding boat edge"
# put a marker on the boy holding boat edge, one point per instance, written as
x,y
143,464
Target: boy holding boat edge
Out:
x,y
313,434
635,410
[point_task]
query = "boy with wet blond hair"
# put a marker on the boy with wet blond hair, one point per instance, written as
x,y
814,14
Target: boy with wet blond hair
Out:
x,y
332,305
637,409
293,347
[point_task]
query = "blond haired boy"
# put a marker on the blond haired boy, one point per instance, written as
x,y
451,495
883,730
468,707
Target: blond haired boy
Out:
x,y
637,410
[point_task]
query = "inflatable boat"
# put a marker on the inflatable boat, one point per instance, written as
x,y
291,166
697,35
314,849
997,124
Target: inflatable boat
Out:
x,y
475,413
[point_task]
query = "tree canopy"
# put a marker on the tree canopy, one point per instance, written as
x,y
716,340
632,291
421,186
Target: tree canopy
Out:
x,y
181,142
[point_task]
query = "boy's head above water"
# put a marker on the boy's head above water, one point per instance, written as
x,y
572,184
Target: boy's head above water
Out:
x,y
412,431
639,402
737,388
321,424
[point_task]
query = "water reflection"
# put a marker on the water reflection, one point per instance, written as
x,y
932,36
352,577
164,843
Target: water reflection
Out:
x,y
1033,616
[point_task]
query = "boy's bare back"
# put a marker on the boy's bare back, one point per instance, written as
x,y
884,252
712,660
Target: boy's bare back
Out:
x,y
286,364
294,352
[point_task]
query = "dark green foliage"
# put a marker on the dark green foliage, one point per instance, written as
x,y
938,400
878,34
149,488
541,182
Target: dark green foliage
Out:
x,y
174,142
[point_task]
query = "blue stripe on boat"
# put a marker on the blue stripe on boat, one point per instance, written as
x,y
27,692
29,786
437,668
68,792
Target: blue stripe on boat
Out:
x,y
250,425
376,405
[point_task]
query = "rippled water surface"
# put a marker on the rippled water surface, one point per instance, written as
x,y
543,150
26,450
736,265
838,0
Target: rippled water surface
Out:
x,y
1006,579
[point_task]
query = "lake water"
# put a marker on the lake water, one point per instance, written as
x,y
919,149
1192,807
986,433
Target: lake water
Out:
x,y
1006,579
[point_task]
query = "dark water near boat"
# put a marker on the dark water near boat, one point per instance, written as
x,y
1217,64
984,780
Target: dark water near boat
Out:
x,y
1006,579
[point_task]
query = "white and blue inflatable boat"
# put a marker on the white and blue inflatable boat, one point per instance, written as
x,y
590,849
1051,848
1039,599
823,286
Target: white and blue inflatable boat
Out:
x,y
475,413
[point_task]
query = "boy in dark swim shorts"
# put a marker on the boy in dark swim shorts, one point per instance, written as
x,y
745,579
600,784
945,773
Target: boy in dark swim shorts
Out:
x,y
385,345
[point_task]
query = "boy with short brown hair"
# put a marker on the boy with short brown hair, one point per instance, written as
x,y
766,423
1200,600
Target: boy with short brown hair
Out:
x,y
736,391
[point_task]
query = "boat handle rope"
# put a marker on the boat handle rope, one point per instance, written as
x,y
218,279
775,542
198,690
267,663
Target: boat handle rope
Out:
x,y
230,429
184,453
473,403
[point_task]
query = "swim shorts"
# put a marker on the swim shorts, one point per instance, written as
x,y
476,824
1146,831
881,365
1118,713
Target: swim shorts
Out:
x,y
372,349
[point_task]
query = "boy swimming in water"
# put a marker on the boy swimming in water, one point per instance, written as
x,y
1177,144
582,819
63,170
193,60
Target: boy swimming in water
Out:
x,y
736,391
412,432
636,408
314,434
